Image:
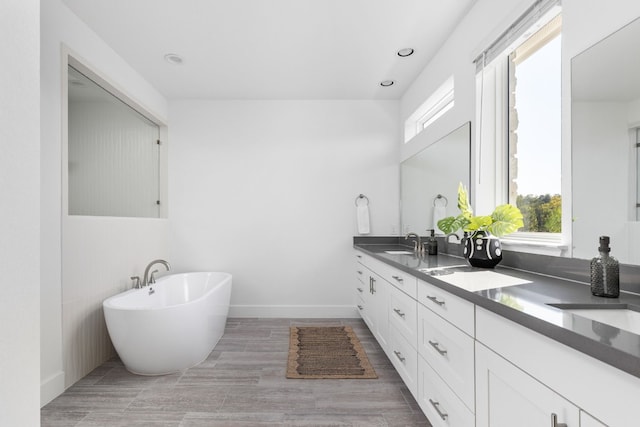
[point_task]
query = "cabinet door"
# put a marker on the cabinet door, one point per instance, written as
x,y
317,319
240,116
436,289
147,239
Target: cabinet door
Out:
x,y
379,301
507,396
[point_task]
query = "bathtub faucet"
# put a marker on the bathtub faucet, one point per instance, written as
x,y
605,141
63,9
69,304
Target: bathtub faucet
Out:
x,y
148,279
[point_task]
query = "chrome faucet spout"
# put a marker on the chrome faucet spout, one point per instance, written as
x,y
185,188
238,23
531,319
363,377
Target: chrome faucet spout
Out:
x,y
451,235
418,242
148,279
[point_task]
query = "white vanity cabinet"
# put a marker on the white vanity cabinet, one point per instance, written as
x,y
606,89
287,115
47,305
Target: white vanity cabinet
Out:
x,y
507,396
516,366
403,336
468,366
372,297
446,380
360,289
390,310
449,352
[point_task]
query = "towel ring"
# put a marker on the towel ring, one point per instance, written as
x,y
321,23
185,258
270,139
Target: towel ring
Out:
x,y
362,196
440,196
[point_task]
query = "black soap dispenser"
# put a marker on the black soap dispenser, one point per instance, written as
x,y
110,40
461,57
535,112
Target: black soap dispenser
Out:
x,y
432,244
605,272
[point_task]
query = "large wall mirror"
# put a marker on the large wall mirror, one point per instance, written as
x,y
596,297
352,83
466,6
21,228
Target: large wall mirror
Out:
x,y
429,181
114,151
605,123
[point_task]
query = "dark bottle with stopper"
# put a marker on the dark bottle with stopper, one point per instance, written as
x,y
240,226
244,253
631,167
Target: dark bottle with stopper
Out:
x,y
605,272
432,244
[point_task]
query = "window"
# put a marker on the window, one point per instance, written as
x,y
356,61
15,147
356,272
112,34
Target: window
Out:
x,y
114,162
534,130
440,101
519,116
440,106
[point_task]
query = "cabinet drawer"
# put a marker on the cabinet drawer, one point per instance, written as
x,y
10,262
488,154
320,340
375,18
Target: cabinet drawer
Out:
x,y
361,272
403,314
454,309
404,358
438,402
363,278
450,352
359,267
403,281
398,278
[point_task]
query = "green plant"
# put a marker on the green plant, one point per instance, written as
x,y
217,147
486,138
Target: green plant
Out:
x,y
504,220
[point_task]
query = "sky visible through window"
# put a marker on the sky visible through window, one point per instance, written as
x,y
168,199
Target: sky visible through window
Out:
x,y
538,103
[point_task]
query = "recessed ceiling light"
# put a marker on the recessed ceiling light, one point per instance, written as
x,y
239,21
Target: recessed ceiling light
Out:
x,y
173,58
405,52
387,83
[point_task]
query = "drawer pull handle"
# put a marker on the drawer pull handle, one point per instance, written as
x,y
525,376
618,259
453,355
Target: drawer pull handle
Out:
x,y
372,285
399,356
436,406
436,345
435,300
398,278
360,290
399,313
555,423
359,256
360,272
360,307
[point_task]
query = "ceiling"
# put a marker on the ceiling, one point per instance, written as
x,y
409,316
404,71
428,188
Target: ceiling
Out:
x,y
274,49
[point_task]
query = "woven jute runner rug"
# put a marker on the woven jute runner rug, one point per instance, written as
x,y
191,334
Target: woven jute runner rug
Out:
x,y
327,352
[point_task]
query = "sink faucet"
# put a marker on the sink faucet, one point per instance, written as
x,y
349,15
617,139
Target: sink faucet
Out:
x,y
418,243
446,237
149,279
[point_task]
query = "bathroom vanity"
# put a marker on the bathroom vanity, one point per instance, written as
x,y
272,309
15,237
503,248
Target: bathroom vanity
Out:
x,y
496,347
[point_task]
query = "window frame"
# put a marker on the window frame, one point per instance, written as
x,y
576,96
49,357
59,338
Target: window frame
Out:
x,y
441,101
492,114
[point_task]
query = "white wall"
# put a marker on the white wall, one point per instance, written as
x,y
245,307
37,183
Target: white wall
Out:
x,y
266,190
112,249
19,219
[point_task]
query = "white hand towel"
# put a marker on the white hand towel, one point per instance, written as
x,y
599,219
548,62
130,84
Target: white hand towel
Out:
x,y
362,214
439,212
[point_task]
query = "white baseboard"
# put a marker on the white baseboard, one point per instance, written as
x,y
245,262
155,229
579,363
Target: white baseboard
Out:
x,y
51,388
294,311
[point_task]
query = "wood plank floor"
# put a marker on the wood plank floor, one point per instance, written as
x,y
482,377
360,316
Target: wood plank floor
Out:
x,y
242,383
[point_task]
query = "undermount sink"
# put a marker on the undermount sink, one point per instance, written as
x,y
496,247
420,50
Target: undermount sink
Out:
x,y
472,279
399,252
621,316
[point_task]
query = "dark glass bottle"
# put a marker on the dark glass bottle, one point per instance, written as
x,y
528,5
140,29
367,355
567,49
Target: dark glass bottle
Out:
x,y
432,245
605,272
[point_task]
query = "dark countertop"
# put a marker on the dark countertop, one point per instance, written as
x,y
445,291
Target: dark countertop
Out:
x,y
529,305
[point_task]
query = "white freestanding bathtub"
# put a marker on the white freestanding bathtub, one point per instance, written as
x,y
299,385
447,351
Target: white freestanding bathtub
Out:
x,y
171,325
